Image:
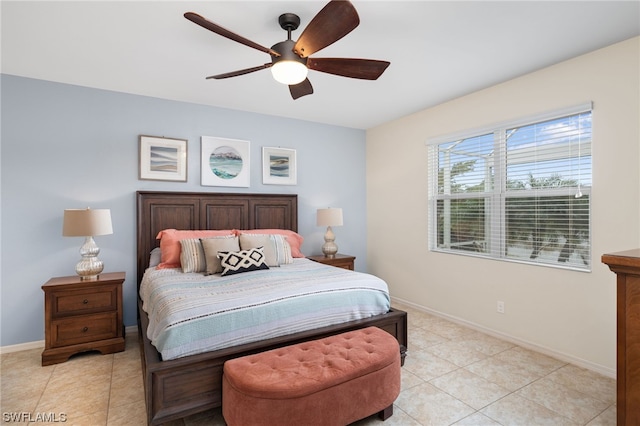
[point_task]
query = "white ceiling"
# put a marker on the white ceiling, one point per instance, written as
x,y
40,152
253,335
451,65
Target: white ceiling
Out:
x,y
438,50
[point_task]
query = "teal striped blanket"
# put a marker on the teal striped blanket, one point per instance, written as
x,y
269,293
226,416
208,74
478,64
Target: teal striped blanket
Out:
x,y
193,313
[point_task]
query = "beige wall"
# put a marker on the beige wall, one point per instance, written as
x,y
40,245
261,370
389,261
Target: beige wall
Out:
x,y
565,313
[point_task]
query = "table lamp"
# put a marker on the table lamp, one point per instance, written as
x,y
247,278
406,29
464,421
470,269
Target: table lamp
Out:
x,y
329,217
87,223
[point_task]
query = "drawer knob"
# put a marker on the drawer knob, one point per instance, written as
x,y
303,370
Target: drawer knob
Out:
x,y
85,301
85,329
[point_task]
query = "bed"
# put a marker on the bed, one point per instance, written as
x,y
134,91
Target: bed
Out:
x,y
190,384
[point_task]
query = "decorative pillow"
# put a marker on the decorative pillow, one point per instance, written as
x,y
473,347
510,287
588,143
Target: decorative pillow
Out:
x,y
212,246
249,241
170,244
294,239
192,256
283,249
236,262
277,250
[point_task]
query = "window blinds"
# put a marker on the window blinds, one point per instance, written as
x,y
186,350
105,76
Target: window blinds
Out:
x,y
518,191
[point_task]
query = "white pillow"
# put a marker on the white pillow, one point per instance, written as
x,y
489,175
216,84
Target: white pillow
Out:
x,y
212,246
277,250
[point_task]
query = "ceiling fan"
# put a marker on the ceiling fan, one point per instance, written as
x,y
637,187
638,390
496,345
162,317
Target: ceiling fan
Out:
x,y
290,59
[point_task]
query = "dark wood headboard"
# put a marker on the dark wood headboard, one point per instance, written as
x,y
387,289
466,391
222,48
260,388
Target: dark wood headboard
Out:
x,y
205,210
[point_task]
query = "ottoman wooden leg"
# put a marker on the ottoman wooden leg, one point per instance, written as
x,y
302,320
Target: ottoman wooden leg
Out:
x,y
386,413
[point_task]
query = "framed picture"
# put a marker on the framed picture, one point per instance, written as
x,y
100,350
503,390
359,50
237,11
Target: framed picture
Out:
x,y
279,166
163,159
225,162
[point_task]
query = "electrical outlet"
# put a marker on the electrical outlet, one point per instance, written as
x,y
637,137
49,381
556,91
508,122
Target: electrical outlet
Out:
x,y
500,307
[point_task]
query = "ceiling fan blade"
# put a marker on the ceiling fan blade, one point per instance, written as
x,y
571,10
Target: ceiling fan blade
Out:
x,y
239,72
366,69
337,19
204,23
301,89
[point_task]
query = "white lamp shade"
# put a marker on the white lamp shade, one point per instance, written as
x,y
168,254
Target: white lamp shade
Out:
x,y
86,222
329,217
289,72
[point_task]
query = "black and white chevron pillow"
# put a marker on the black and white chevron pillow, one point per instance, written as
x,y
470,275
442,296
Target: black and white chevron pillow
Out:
x,y
236,262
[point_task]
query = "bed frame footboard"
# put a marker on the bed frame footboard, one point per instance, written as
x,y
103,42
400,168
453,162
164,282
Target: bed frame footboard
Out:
x,y
178,388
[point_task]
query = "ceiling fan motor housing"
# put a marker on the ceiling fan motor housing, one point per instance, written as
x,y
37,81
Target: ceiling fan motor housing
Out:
x,y
285,49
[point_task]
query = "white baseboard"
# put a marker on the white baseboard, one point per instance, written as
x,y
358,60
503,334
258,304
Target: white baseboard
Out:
x,y
22,347
600,369
605,371
132,329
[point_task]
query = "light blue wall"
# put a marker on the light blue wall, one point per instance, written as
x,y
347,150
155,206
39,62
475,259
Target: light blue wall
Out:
x,y
66,146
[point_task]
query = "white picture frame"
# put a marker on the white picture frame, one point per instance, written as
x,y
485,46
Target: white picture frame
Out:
x,y
225,162
162,158
279,166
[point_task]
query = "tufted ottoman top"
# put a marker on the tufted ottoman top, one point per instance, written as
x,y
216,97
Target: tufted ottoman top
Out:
x,y
306,368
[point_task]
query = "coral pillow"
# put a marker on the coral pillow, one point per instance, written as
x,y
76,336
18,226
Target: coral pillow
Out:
x,y
170,244
294,239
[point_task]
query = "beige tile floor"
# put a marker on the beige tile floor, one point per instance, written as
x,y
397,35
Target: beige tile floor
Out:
x,y
453,375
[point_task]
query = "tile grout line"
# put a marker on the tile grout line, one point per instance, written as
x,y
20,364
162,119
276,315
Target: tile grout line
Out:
x,y
44,388
511,392
113,360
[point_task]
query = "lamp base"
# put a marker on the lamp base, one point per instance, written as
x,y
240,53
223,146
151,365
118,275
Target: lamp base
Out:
x,y
90,266
92,277
329,248
328,255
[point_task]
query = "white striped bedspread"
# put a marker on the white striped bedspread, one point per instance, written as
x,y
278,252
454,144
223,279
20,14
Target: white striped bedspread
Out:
x,y
192,313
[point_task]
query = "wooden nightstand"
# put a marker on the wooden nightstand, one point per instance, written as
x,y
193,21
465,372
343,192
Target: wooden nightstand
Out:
x,y
339,261
82,316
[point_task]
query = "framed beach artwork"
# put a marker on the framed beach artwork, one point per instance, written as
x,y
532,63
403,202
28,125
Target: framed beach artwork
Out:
x,y
279,166
163,159
225,162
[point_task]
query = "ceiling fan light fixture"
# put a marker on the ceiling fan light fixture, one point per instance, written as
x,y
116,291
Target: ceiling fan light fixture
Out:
x,y
289,72
290,59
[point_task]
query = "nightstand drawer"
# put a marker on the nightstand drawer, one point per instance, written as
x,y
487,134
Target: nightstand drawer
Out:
x,y
80,302
83,329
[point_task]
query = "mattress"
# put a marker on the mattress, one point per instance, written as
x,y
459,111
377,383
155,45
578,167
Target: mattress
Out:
x,y
190,313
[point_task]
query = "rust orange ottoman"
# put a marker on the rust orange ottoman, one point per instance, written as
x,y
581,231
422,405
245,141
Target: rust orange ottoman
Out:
x,y
332,381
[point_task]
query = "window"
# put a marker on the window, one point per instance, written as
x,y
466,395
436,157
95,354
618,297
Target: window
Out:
x,y
519,191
